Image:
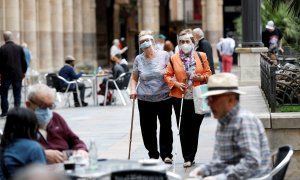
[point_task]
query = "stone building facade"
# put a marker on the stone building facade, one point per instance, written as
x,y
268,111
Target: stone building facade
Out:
x,y
85,28
52,29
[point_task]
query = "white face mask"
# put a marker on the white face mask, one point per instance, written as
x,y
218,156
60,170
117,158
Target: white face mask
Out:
x,y
187,48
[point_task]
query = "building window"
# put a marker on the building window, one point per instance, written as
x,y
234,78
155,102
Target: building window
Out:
x,y
197,10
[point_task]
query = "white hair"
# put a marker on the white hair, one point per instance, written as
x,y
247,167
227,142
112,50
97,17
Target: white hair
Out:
x,y
116,42
199,32
38,89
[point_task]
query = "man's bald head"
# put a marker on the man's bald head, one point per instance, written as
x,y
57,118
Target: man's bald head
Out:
x,y
7,35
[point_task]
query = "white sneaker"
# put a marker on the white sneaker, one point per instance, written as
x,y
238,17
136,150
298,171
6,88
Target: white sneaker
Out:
x,y
188,164
168,160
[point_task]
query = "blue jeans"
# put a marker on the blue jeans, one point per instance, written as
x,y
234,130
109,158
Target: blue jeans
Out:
x,y
17,86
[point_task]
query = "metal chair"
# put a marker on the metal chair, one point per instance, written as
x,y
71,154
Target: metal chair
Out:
x,y
137,174
121,83
283,157
53,80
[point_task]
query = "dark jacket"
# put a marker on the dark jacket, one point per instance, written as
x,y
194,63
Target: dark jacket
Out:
x,y
67,72
12,61
204,46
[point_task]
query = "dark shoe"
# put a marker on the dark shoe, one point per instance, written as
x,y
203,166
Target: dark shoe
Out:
x,y
83,104
107,103
3,115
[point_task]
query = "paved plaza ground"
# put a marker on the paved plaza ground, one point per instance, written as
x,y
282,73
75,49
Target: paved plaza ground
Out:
x,y
110,127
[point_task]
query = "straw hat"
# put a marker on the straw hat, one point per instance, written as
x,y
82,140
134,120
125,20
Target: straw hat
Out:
x,y
222,83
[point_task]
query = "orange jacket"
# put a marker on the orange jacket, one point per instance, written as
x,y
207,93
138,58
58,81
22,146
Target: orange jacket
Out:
x,y
175,72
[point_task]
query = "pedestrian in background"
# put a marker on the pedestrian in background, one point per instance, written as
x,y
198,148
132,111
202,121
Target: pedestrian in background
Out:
x,y
18,143
219,55
226,49
169,47
271,37
12,69
202,45
68,72
161,42
241,149
114,49
152,92
185,71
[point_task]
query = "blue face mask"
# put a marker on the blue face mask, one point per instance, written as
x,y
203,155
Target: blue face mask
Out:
x,y
43,115
146,44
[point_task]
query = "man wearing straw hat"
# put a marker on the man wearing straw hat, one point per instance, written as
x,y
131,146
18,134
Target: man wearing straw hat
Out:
x,y
241,147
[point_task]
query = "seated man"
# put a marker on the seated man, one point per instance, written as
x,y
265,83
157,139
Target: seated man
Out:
x,y
54,133
241,149
67,72
119,67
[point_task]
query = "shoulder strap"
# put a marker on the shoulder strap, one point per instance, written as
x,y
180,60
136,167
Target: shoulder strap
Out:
x,y
199,55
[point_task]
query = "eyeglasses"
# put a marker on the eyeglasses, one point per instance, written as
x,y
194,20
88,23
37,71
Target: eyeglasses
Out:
x,y
44,106
214,98
184,41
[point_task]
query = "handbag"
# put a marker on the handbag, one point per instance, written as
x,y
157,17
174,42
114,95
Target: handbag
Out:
x,y
200,103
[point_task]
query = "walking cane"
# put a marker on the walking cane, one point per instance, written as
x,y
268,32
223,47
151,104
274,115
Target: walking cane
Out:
x,y
131,127
178,127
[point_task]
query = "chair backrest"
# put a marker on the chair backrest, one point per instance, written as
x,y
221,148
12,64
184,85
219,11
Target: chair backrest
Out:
x,y
138,174
282,161
283,157
52,80
123,80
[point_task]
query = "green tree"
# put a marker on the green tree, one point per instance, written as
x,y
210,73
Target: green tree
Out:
x,y
293,6
284,19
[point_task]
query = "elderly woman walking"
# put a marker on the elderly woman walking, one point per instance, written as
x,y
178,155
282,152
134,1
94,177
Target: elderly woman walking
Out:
x,y
152,92
186,70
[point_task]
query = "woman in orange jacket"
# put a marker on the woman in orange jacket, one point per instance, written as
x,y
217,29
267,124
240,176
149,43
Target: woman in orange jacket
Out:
x,y
187,69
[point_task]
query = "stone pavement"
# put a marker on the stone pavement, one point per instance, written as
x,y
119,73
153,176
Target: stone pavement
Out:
x,y
110,127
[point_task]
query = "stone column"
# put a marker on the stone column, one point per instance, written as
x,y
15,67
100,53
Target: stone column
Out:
x,y
116,22
251,23
12,18
89,31
212,23
78,18
149,15
29,27
44,36
57,33
2,19
68,27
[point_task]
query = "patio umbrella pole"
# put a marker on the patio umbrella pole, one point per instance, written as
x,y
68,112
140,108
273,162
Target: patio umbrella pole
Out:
x,y
131,127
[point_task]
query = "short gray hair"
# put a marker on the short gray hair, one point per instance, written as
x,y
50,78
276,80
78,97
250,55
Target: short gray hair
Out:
x,y
39,89
7,35
199,32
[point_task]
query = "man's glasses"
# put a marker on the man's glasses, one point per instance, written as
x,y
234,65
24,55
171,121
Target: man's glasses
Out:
x,y
44,106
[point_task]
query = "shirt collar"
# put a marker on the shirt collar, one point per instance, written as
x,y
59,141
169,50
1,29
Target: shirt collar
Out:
x,y
226,119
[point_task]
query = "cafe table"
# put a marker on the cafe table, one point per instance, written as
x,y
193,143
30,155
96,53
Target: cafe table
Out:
x,y
95,79
107,166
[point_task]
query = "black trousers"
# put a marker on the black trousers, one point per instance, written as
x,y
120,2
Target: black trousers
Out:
x,y
17,86
81,88
149,111
189,128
